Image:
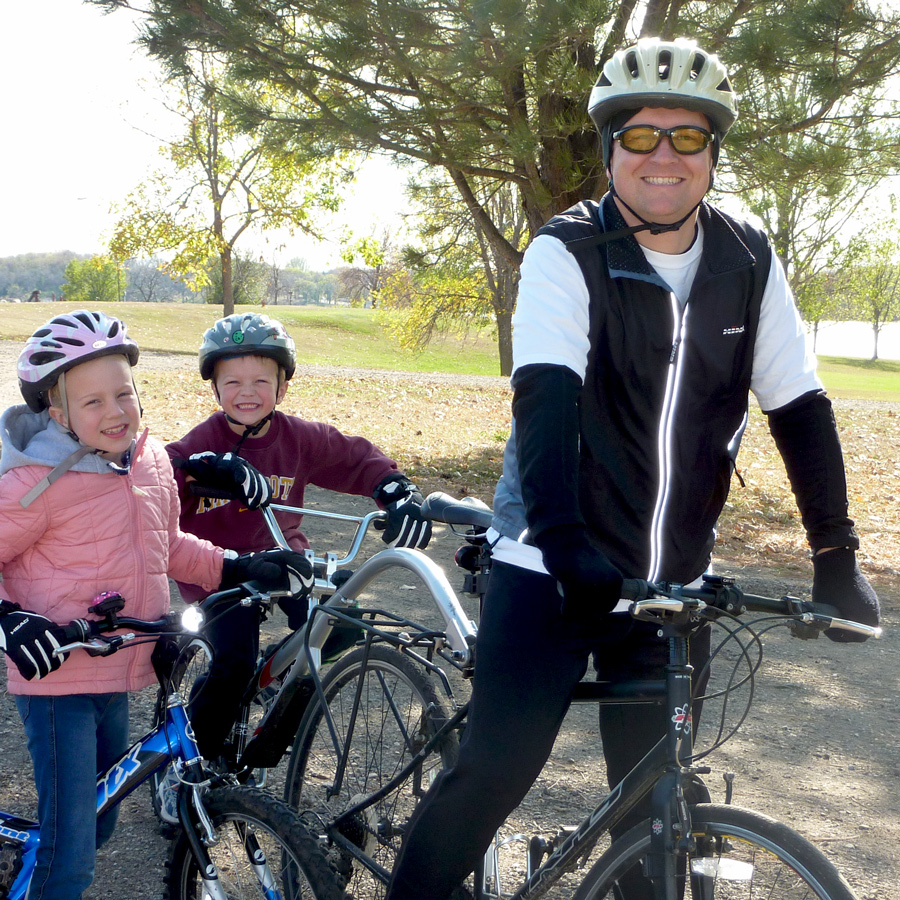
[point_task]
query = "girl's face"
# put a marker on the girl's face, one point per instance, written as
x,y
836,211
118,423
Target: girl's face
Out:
x,y
103,406
248,389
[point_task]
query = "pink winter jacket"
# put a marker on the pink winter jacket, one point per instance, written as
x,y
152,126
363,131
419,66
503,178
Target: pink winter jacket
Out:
x,y
89,533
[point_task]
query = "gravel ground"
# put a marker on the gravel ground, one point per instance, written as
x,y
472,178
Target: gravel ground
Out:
x,y
818,750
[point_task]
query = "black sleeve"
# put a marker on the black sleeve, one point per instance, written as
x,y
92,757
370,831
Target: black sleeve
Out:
x,y
546,413
807,439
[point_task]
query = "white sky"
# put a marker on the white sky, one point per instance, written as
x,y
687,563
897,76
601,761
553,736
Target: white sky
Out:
x,y
83,127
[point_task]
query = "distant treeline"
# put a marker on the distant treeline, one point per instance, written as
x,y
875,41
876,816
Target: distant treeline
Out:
x,y
21,276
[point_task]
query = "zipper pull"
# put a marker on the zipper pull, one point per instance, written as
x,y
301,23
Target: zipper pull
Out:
x,y
674,354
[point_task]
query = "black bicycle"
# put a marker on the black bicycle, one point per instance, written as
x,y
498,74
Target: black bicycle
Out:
x,y
689,848
403,695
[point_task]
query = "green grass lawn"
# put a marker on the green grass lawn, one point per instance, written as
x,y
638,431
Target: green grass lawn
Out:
x,y
861,379
354,337
337,336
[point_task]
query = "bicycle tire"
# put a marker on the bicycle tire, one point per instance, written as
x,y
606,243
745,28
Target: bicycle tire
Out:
x,y
744,853
294,856
192,662
400,711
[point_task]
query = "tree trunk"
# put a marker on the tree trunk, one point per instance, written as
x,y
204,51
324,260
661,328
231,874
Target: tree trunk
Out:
x,y
875,330
227,283
504,341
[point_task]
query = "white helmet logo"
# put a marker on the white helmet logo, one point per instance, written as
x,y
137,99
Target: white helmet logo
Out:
x,y
98,345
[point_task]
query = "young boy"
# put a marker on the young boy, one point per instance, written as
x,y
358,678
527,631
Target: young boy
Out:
x,y
87,504
263,454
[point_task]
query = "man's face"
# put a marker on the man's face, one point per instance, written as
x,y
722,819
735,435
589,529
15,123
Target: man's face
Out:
x,y
662,186
248,387
103,407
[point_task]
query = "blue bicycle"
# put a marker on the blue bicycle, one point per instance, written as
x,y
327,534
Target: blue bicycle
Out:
x,y
235,842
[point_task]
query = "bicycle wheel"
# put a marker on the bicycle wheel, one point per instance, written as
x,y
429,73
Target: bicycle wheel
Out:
x,y
399,711
740,855
192,662
246,821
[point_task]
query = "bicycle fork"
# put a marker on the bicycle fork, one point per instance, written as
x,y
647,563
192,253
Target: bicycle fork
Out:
x,y
671,839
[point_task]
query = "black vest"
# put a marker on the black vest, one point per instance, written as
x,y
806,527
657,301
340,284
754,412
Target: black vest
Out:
x,y
663,406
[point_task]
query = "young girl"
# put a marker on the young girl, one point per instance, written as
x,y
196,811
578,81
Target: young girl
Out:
x,y
87,504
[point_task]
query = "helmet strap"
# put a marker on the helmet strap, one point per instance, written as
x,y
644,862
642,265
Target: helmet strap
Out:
x,y
653,227
605,237
249,430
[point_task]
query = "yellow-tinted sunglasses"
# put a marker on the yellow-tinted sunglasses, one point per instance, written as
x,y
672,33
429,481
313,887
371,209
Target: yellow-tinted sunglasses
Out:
x,y
685,139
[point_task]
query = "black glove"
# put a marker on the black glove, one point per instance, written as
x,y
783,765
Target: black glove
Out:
x,y
838,582
275,570
591,585
405,525
227,472
29,641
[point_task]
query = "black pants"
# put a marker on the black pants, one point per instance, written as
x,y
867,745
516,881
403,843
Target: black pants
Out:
x,y
528,661
216,698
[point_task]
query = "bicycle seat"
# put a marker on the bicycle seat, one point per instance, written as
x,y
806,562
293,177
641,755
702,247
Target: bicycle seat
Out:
x,y
441,507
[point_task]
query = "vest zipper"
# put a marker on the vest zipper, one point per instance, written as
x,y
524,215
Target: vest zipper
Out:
x,y
664,437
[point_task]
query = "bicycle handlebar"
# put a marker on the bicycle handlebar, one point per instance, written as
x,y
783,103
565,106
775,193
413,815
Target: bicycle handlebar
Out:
x,y
722,596
95,636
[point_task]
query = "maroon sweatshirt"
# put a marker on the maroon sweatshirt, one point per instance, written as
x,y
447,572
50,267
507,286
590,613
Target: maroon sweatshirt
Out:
x,y
292,454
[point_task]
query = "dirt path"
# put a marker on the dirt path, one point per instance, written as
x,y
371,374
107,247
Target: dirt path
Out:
x,y
818,750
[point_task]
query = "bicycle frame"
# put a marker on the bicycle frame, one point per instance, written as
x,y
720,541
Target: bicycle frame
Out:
x,y
665,767
299,656
174,739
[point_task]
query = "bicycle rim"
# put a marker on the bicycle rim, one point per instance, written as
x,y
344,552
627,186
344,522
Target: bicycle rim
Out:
x,y
293,864
741,855
399,711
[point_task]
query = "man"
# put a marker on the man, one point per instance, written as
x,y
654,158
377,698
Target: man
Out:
x,y
642,323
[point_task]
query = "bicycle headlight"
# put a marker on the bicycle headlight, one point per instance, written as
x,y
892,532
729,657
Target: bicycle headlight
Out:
x,y
192,619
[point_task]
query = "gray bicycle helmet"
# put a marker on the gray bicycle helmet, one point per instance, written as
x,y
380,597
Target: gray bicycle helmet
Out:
x,y
64,342
247,334
672,74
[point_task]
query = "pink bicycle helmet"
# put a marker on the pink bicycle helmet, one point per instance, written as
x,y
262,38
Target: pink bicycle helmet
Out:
x,y
64,342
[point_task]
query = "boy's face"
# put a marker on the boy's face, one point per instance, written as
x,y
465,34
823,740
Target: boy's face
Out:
x,y
104,410
248,388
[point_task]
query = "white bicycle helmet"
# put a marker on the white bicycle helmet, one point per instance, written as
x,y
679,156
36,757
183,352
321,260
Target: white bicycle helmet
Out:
x,y
247,334
672,74
64,342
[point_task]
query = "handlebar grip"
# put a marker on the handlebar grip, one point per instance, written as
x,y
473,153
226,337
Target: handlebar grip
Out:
x,y
196,489
75,631
635,589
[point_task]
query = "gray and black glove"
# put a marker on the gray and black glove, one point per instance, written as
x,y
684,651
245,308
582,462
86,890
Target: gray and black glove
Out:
x,y
230,473
274,570
591,585
838,581
405,525
29,640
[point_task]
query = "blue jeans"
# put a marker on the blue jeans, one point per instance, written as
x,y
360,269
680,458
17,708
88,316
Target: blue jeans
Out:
x,y
71,739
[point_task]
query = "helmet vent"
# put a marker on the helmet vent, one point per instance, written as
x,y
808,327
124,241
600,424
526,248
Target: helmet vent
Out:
x,y
87,319
630,63
665,65
42,357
